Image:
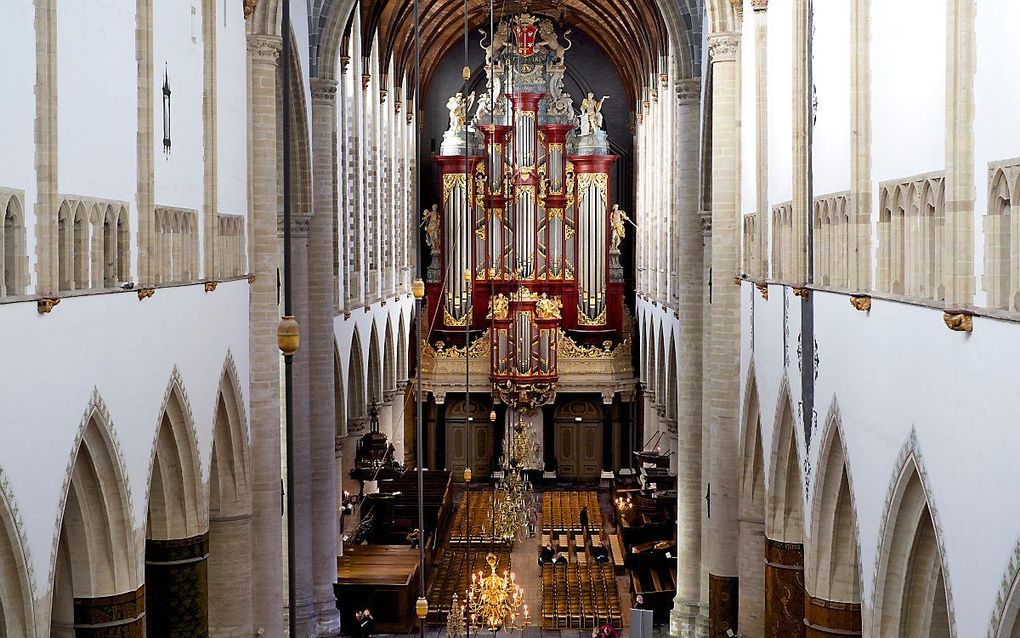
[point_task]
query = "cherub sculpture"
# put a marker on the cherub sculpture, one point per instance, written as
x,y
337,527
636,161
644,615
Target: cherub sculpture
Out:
x,y
459,106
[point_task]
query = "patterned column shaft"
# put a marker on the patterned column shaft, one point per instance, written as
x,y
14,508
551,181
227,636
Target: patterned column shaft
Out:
x,y
784,589
827,618
118,616
176,581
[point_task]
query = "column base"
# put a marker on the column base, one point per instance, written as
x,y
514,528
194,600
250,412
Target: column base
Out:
x,y
329,623
687,620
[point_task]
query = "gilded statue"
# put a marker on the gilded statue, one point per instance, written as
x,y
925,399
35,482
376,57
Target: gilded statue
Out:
x,y
618,220
459,106
591,114
549,40
430,222
547,307
499,307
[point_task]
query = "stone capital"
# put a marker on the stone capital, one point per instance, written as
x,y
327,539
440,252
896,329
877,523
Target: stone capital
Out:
x,y
264,49
607,398
440,397
323,90
723,47
688,91
759,5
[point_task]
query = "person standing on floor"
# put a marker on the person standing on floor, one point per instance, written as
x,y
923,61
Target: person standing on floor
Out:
x,y
584,519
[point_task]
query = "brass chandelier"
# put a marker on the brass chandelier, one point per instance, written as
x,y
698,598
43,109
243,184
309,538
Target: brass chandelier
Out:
x,y
495,601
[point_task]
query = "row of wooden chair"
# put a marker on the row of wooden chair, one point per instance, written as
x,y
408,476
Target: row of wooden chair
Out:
x,y
561,511
579,596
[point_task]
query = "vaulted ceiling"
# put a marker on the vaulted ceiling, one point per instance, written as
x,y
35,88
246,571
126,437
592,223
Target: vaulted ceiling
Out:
x,y
635,34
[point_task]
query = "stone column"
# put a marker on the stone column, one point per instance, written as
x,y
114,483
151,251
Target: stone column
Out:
x,y
302,413
47,203
146,175
320,341
860,147
723,361
264,356
607,433
210,178
684,620
761,269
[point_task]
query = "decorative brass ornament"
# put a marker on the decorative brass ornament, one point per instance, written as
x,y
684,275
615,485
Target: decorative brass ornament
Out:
x,y
450,320
418,288
421,607
570,349
251,278
959,320
145,293
45,305
583,320
455,625
499,307
547,307
288,335
479,348
763,288
466,73
861,302
210,286
495,601
249,7
801,292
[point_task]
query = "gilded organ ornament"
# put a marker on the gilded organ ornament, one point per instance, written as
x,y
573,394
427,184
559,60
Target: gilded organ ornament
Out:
x,y
547,307
618,220
430,222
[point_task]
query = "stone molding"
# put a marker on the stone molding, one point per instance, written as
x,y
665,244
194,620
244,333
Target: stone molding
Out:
x,y
688,91
759,5
722,47
264,49
323,90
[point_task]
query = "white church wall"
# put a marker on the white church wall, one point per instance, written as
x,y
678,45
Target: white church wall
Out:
x,y
97,80
231,107
997,102
126,350
908,75
936,383
17,109
832,58
780,101
177,49
748,115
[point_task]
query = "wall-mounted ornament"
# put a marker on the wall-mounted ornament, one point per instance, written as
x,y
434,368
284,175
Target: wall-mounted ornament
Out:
x,y
763,288
801,292
166,111
249,7
210,286
861,302
251,278
145,293
45,305
959,320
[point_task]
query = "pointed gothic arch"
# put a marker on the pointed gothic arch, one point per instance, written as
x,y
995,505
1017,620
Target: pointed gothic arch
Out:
x,y
339,394
912,595
1006,617
357,401
660,368
176,537
672,382
16,611
833,575
96,576
373,384
230,514
784,528
389,383
402,363
751,609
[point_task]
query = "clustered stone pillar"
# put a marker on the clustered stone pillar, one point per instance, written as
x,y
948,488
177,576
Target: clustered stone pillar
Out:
x,y
723,357
264,356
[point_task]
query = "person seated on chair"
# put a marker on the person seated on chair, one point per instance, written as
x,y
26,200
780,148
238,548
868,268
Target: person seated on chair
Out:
x,y
560,558
545,555
600,554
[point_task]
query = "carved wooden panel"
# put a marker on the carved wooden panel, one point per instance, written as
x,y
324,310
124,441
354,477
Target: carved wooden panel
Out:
x,y
827,618
723,602
784,589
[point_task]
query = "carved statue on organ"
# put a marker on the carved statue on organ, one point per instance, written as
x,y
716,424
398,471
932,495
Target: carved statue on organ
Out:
x,y
617,221
591,114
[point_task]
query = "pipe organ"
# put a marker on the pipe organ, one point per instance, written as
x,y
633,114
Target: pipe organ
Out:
x,y
522,241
